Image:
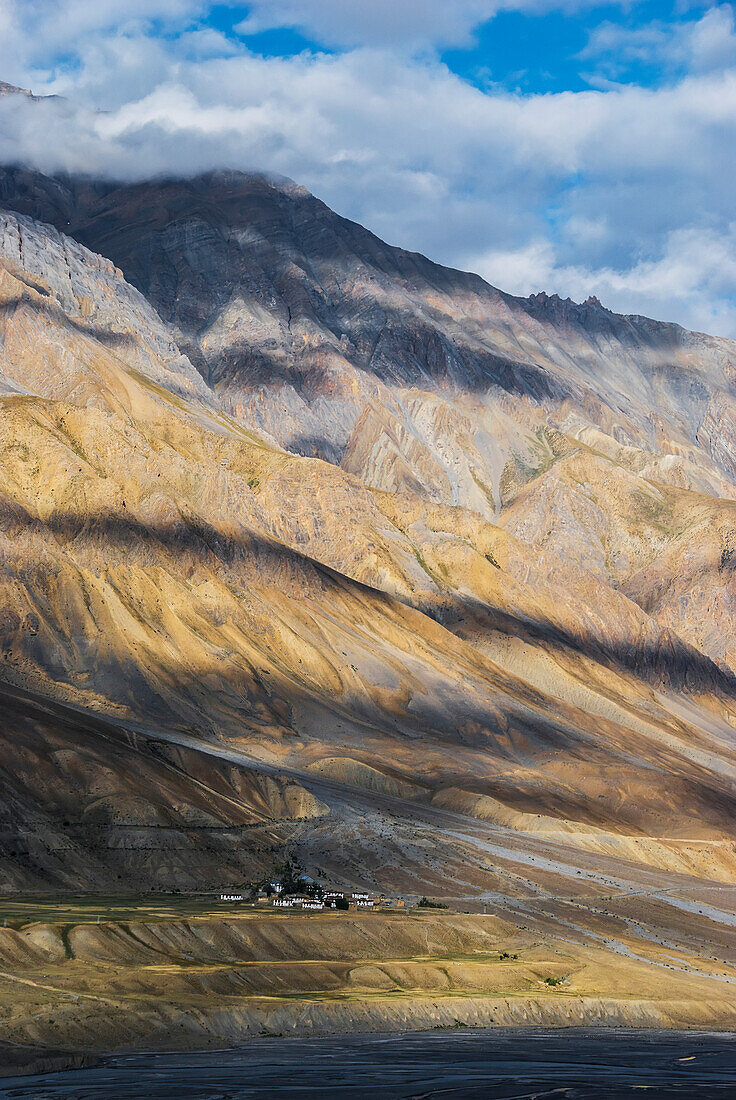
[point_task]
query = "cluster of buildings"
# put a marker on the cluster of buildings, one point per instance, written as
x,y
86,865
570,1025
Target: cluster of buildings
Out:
x,y
315,898
333,899
297,901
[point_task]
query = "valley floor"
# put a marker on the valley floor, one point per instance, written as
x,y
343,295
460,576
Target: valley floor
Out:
x,y
492,1064
88,976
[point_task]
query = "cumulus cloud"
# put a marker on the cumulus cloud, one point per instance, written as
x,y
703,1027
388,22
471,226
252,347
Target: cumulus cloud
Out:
x,y
57,24
46,38
43,40
624,192
373,22
701,45
394,23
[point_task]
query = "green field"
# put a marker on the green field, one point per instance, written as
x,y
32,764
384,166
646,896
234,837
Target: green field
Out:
x,y
88,909
15,912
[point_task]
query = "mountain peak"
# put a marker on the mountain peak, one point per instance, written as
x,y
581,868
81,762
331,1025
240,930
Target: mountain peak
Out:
x,y
12,89
542,298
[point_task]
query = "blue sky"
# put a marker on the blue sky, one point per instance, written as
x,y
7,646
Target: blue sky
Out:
x,y
563,145
518,50
530,52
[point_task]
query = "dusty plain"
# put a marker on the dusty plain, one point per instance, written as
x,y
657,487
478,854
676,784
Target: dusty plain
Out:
x,y
539,940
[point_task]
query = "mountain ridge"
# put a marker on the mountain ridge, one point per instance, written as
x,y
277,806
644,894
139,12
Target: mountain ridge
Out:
x,y
456,589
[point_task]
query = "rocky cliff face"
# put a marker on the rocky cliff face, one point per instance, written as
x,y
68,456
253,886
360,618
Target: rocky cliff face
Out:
x,y
277,492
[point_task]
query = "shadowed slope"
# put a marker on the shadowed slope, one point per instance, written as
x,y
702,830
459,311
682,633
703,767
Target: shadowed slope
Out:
x,y
162,564
419,379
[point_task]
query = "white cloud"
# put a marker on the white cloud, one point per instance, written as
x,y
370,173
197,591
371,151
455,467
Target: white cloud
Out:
x,y
373,22
390,23
702,45
626,193
42,37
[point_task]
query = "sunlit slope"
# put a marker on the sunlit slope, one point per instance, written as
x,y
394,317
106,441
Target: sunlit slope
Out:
x,y
164,565
567,423
340,345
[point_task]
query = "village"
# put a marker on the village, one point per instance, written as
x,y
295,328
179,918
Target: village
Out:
x,y
308,895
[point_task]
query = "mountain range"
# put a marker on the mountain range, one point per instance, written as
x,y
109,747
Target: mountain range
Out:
x,y
314,548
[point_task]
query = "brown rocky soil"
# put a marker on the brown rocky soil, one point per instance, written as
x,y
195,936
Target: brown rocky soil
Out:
x,y
180,977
